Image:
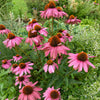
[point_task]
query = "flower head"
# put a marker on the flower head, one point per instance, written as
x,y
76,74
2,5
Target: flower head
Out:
x,y
79,61
13,67
59,59
72,20
17,57
63,31
38,46
52,94
22,80
41,30
33,37
23,68
61,13
6,63
61,37
10,99
54,47
30,92
50,66
50,10
31,24
68,36
12,40
3,30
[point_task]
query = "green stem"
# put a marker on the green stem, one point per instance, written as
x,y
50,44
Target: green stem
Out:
x,y
49,27
71,29
23,52
70,73
38,54
52,25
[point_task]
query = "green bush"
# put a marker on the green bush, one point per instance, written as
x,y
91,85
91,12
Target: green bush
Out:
x,y
5,7
82,9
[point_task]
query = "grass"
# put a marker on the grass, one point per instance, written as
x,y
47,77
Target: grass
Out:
x,y
19,7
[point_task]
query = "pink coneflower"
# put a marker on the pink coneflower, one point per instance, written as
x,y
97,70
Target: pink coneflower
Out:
x,y
53,0
50,11
23,68
38,47
13,67
67,36
10,99
95,3
54,47
38,28
3,30
30,92
50,66
6,63
22,80
61,37
33,37
12,40
79,61
61,13
63,31
52,94
59,59
17,57
73,20
64,6
31,24
6,99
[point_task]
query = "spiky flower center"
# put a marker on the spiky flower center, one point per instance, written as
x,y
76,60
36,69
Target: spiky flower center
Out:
x,y
15,65
11,36
30,23
59,57
30,34
82,56
17,55
2,27
27,90
49,39
49,62
37,27
22,65
54,41
68,35
59,9
54,94
4,61
21,78
59,35
38,45
61,30
46,7
71,17
34,21
52,4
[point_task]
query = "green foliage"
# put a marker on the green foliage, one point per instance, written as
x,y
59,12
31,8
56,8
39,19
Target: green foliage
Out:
x,y
35,5
19,8
81,8
73,85
5,7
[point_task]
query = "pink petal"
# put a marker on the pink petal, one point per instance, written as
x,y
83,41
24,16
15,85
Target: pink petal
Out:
x,y
85,66
90,64
80,67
